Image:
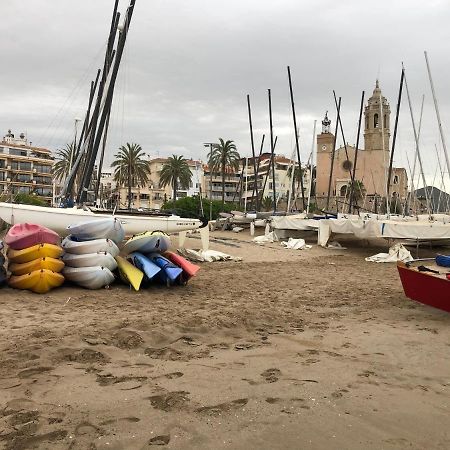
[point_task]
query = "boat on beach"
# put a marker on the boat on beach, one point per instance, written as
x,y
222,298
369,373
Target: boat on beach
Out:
x,y
428,284
59,219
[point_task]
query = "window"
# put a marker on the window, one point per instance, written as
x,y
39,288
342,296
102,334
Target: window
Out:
x,y
24,165
145,196
343,191
2,176
396,179
23,177
42,180
2,163
17,152
42,168
385,121
1,149
375,121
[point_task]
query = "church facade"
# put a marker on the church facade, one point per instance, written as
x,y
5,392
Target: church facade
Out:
x,y
372,163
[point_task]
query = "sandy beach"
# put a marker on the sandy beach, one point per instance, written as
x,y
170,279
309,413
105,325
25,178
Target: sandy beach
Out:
x,y
286,349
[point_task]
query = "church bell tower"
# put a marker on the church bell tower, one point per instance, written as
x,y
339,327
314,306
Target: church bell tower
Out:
x,y
377,115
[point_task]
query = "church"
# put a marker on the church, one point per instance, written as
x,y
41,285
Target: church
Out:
x,y
372,163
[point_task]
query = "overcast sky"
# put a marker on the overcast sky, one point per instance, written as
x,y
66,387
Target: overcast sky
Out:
x,y
189,65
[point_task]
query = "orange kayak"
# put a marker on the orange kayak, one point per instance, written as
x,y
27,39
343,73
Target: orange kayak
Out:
x,y
39,281
55,265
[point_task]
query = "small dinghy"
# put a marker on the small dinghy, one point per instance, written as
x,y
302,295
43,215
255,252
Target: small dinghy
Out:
x,y
94,277
103,259
189,269
170,272
144,264
148,242
34,252
55,265
39,281
109,228
129,274
75,247
24,235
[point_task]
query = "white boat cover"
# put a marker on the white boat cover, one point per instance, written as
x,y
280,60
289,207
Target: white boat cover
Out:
x,y
294,222
85,247
89,277
103,259
396,253
107,228
395,229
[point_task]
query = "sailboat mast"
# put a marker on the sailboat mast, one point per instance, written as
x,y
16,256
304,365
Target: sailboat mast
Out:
x,y
338,109
438,116
255,186
394,137
311,166
352,186
108,101
417,145
294,117
272,148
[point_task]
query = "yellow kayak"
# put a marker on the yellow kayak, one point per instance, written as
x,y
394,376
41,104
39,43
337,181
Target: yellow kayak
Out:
x,y
39,281
55,265
129,274
35,252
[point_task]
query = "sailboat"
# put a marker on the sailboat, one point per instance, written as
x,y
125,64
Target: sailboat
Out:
x,y
93,136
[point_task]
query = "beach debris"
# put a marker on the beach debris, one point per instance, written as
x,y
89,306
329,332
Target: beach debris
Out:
x,y
296,244
237,229
396,253
206,255
265,239
335,245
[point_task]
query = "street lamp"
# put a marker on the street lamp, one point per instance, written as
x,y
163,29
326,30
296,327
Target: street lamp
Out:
x,y
210,145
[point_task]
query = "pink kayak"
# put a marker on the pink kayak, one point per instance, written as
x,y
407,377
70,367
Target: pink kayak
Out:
x,y
24,235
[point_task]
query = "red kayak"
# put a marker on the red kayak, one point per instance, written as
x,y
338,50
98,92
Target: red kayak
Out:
x,y
24,235
189,269
429,285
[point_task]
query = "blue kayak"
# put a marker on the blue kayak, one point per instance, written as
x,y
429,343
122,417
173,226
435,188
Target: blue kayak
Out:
x,y
144,264
443,260
170,272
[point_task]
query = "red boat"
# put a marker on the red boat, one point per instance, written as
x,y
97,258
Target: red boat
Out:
x,y
24,235
428,284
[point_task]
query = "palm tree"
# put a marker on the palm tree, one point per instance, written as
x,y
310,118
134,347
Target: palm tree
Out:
x,y
175,172
221,157
65,157
130,169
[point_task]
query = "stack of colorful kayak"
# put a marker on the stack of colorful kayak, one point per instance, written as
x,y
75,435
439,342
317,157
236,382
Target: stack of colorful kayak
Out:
x,y
89,252
146,259
33,256
2,265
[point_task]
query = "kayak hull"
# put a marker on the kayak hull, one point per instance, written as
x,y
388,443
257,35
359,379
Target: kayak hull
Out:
x,y
107,228
34,252
39,281
129,274
148,242
102,259
84,247
55,265
95,277
24,235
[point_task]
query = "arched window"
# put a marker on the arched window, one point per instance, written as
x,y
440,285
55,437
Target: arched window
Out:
x,y
343,191
385,121
375,121
395,179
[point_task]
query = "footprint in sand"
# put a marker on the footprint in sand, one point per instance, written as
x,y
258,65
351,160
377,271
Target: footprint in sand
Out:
x,y
109,379
82,355
166,353
217,410
127,339
28,373
170,401
164,439
271,375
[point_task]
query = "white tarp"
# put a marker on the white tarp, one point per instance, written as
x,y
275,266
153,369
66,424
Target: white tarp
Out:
x,y
294,222
296,244
396,253
394,229
265,239
206,255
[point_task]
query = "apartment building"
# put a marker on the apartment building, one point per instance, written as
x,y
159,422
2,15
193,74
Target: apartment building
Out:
x,y
24,168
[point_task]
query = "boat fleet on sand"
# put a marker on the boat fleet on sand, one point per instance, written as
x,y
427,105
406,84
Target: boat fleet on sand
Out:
x,y
93,255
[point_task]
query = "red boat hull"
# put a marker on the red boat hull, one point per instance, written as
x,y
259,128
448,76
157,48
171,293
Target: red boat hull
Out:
x,y
425,287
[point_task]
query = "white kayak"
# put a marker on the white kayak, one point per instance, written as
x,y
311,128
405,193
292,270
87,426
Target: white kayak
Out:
x,y
103,259
58,219
83,247
108,228
89,277
148,242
